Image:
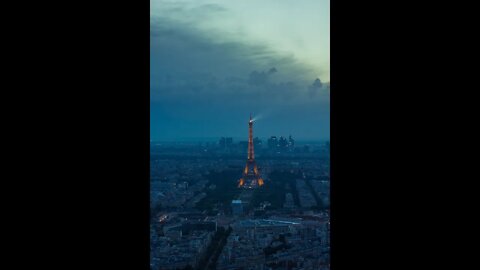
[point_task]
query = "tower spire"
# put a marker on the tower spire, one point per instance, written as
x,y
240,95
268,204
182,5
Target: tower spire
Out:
x,y
251,176
251,156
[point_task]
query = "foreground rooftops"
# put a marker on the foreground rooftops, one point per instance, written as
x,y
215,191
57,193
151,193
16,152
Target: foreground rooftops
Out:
x,y
265,222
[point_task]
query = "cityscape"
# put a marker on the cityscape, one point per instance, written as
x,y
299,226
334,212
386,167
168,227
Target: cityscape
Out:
x,y
202,218
239,135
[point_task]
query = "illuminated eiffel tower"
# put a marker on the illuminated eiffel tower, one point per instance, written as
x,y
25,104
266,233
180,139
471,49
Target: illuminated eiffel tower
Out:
x,y
250,176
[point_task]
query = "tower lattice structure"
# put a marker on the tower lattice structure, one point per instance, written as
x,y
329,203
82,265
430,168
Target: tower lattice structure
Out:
x,y
251,175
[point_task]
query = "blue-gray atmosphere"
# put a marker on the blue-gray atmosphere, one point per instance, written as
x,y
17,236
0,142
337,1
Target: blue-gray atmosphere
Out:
x,y
215,62
240,144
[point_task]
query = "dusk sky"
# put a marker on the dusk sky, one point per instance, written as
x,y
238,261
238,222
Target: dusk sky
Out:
x,y
212,62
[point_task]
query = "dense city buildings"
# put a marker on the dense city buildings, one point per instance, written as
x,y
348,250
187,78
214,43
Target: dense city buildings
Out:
x,y
237,208
228,192
200,219
277,243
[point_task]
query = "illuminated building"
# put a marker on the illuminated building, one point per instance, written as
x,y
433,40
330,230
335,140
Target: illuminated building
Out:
x,y
251,175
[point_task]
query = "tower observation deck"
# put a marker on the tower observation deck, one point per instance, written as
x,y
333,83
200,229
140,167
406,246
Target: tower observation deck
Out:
x,y
250,176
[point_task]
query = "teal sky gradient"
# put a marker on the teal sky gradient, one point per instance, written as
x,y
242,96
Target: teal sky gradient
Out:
x,y
212,62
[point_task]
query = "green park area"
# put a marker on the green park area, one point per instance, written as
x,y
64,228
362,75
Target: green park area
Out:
x,y
225,190
276,186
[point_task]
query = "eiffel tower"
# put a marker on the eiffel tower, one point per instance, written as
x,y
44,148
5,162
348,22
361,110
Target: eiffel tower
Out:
x,y
250,176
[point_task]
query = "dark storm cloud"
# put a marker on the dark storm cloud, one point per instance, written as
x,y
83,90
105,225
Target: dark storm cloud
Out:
x,y
202,80
317,83
316,86
212,7
191,57
260,78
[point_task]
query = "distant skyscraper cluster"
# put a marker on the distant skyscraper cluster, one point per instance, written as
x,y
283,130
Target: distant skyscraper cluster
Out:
x,y
273,144
281,144
226,142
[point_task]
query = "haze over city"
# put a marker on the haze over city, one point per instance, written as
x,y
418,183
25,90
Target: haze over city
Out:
x,y
215,62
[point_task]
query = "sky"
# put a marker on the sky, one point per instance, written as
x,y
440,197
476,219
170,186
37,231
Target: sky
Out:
x,y
213,62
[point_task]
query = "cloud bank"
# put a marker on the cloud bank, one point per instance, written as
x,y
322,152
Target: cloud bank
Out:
x,y
204,81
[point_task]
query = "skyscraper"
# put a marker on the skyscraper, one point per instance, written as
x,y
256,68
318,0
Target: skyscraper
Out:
x,y
272,143
228,142
257,143
222,143
283,144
